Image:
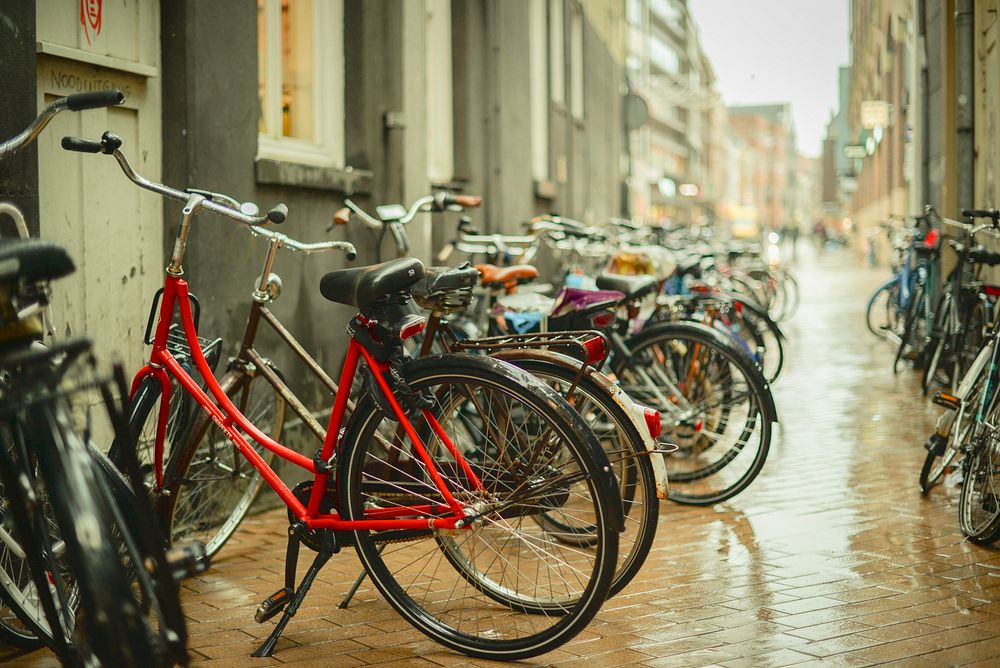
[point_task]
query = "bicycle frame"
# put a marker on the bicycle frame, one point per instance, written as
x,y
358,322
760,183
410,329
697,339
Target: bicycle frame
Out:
x,y
162,365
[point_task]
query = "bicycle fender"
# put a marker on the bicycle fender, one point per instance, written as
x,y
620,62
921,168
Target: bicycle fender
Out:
x,y
604,477
634,411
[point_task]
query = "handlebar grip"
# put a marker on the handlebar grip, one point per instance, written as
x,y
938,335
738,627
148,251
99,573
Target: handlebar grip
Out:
x,y
981,213
278,214
445,253
94,100
81,145
342,216
352,254
468,201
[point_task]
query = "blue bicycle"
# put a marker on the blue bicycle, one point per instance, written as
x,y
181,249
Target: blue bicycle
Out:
x,y
900,309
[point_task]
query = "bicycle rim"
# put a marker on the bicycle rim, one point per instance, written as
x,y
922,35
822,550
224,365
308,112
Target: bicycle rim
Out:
x,y
712,410
507,588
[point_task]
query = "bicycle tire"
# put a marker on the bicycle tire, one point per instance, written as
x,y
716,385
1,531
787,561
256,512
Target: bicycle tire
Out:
x,y
208,486
913,318
968,341
728,409
626,452
140,541
794,295
114,627
15,633
875,310
31,616
978,503
934,468
558,617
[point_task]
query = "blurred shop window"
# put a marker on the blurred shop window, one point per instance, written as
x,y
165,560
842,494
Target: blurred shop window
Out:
x,y
440,99
300,81
539,89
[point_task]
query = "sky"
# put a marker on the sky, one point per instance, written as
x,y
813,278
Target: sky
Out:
x,y
778,51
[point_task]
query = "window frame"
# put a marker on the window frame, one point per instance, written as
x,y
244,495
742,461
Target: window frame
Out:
x,y
327,150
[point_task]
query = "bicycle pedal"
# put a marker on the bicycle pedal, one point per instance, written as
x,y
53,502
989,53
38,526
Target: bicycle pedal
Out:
x,y
945,400
273,604
187,561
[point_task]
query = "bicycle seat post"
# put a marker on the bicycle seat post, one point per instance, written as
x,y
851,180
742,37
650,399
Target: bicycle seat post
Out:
x,y
191,208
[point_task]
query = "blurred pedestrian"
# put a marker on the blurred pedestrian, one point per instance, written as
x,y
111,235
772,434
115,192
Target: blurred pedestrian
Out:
x,y
819,232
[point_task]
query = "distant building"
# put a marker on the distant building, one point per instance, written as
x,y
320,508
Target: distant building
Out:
x,y
669,179
767,132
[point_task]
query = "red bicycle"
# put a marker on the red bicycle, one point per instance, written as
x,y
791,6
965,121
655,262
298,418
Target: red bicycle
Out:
x,y
478,501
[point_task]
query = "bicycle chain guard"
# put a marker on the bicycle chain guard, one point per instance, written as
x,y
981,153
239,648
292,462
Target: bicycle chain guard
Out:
x,y
313,538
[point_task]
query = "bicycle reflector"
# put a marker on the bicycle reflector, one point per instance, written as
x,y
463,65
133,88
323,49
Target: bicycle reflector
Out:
x,y
931,238
602,320
596,350
653,422
411,325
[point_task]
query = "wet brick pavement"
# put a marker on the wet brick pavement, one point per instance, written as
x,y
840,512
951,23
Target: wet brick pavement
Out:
x,y
830,558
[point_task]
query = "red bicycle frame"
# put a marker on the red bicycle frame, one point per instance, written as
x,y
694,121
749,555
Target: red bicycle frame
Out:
x,y
162,365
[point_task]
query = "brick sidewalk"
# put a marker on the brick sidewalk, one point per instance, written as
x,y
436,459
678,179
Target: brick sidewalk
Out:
x,y
831,557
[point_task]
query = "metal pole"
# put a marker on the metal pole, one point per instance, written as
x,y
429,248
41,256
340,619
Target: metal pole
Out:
x,y
965,149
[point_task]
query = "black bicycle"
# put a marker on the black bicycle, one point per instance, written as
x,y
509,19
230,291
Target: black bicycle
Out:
x,y
82,560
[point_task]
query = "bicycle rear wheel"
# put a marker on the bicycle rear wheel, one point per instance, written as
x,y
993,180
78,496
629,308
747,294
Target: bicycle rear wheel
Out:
x,y
30,612
626,452
715,406
507,587
914,331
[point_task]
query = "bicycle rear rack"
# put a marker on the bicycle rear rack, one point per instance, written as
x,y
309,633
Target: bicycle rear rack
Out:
x,y
588,346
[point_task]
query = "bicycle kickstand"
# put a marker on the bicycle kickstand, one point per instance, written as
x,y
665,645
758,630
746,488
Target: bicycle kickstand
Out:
x,y
285,599
357,583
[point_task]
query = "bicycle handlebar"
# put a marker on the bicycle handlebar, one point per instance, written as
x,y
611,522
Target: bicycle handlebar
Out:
x,y
992,214
110,144
77,102
286,241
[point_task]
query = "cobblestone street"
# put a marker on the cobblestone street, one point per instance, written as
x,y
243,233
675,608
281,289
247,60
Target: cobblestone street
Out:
x,y
831,557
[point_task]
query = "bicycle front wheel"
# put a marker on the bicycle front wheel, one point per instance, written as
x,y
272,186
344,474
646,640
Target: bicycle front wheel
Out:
x,y
209,486
114,624
882,315
510,586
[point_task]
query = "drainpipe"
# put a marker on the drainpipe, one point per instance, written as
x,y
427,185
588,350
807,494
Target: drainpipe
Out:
x,y
965,149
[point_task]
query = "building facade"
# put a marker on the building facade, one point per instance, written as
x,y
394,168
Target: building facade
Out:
x,y
305,103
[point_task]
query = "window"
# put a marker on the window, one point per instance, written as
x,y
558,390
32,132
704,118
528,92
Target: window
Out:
x,y
576,62
301,81
557,53
440,133
634,12
538,91
663,55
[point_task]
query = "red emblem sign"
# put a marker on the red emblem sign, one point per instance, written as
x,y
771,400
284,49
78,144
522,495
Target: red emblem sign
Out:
x,y
90,17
